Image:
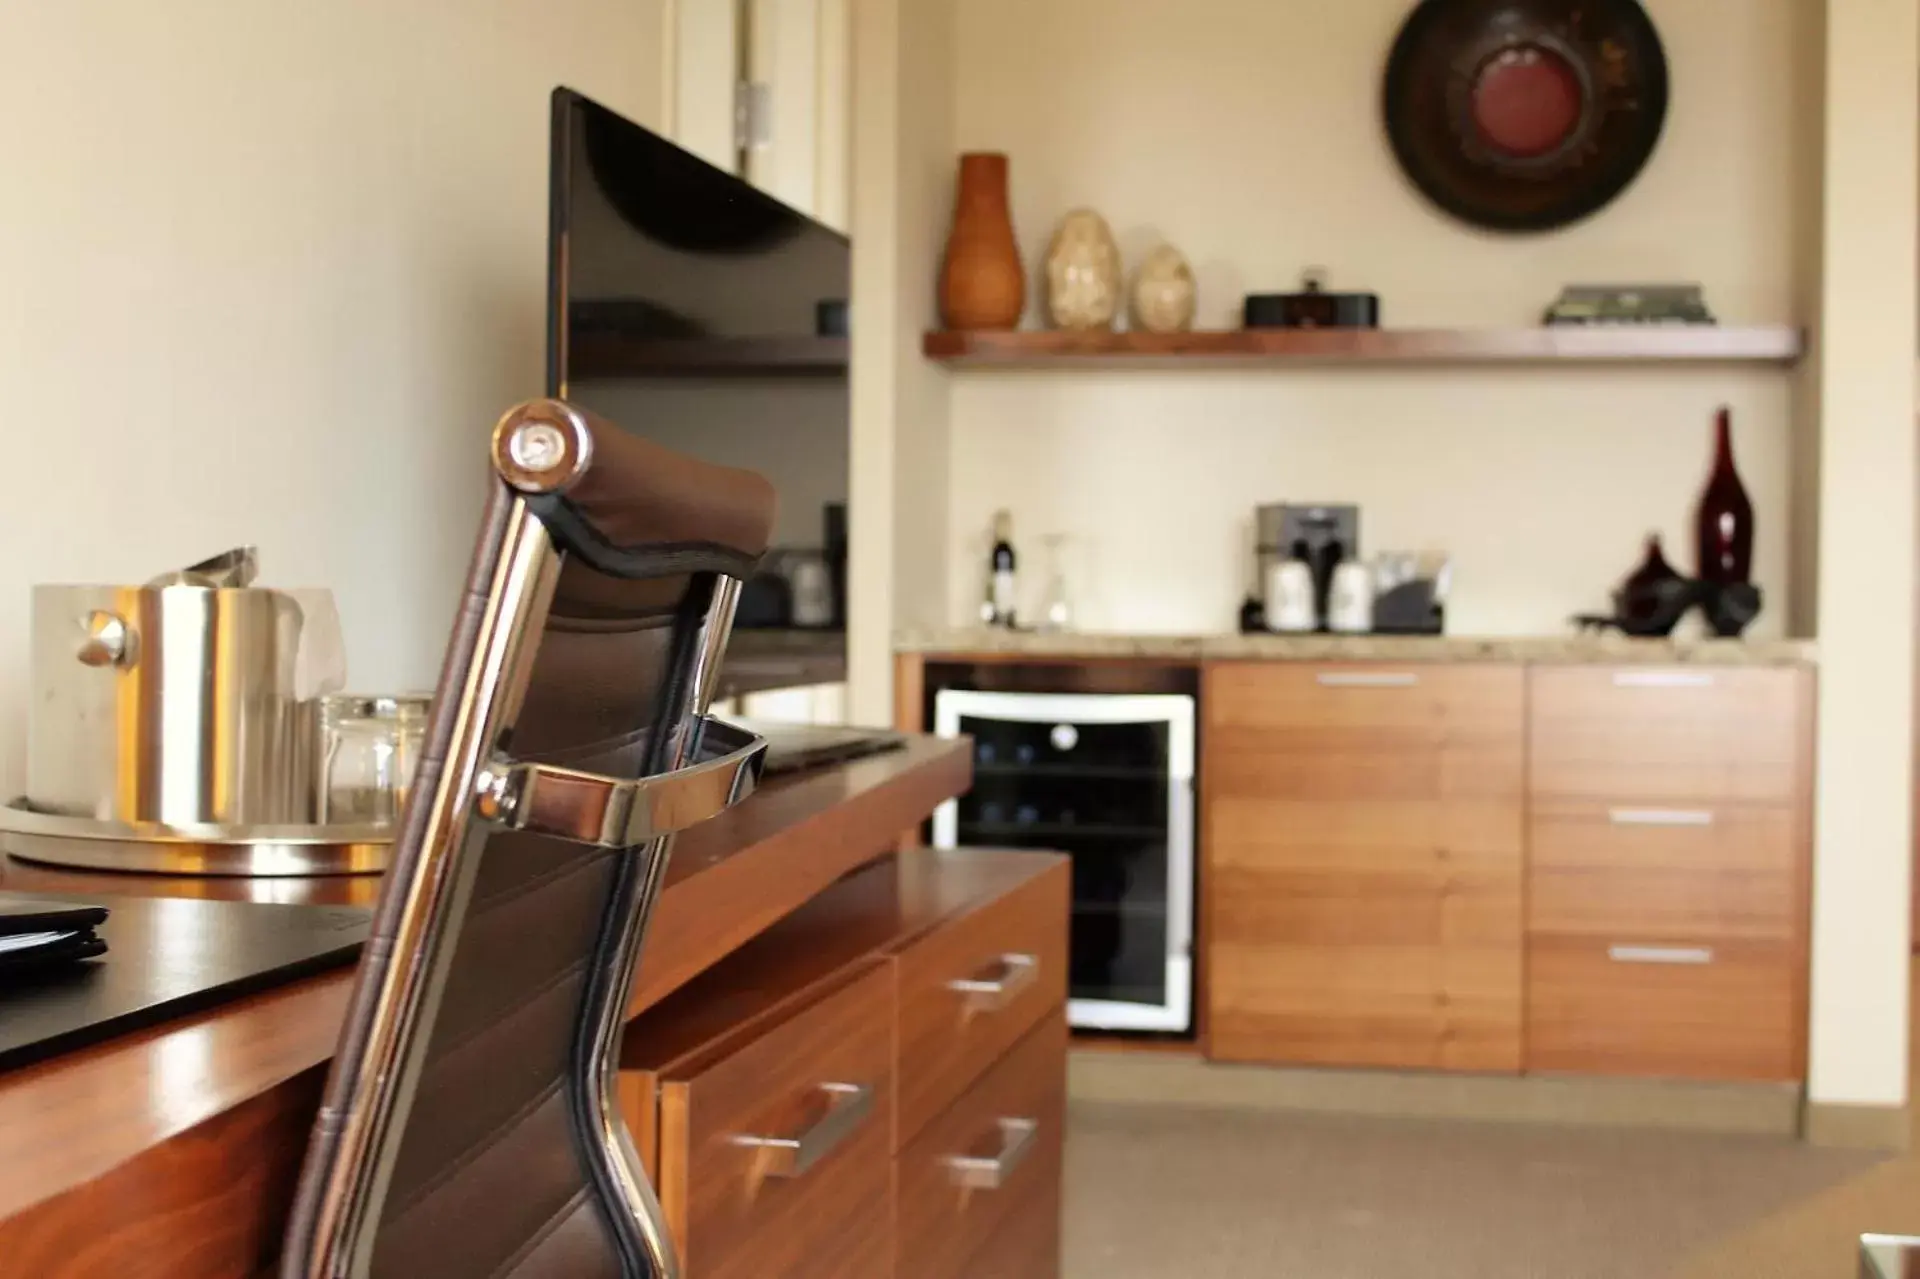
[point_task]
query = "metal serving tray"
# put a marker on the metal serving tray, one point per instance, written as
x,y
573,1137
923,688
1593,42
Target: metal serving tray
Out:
x,y
252,851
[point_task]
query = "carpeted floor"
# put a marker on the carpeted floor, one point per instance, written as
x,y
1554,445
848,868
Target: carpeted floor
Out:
x,y
1169,1193
1818,1237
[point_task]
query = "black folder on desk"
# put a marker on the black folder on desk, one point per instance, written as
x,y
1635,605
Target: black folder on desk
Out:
x,y
164,957
40,933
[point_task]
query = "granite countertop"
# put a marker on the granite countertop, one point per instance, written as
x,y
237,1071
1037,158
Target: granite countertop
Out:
x,y
1595,650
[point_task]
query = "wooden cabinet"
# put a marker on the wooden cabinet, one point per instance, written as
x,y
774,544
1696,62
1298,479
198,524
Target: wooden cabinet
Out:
x,y
1668,847
774,1155
1363,832
986,1168
1490,866
899,1029
971,989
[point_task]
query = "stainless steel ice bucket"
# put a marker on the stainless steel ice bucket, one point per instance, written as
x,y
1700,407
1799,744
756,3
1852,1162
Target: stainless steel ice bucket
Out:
x,y
173,702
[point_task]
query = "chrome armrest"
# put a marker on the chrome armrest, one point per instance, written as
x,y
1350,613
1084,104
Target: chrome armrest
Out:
x,y
608,812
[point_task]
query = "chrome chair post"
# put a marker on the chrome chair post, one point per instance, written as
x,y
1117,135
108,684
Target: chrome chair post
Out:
x,y
627,922
386,1070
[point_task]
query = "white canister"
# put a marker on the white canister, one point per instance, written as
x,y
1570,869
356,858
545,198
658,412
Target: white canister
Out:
x,y
1350,599
812,588
1287,596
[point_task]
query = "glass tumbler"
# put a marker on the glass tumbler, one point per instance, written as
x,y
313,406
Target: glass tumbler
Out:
x,y
369,749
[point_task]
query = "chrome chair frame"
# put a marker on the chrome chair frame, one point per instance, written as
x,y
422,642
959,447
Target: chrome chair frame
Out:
x,y
704,766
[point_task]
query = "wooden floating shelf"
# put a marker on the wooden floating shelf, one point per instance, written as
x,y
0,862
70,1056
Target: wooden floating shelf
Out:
x,y
1780,346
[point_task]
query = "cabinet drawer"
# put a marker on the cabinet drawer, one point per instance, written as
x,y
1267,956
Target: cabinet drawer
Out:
x,y
1639,734
774,1157
1706,1010
1027,1244
979,1189
971,988
1702,871
1355,696
1362,731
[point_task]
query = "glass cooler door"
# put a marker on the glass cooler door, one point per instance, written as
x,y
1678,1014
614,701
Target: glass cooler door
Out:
x,y
1109,781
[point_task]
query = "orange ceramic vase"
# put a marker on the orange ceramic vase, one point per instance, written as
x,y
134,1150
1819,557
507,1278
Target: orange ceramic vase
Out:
x,y
982,285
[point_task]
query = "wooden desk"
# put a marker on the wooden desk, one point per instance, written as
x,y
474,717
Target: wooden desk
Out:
x,y
173,1151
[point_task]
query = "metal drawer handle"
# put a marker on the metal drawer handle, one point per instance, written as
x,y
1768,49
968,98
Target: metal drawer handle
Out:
x,y
610,812
1367,679
999,985
1662,679
847,1106
1660,816
990,1172
1660,954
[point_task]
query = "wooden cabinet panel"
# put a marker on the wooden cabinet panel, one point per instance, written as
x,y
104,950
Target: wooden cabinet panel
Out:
x,y
1410,1006
1698,872
1344,705
972,988
1650,734
1719,1010
1027,1243
1363,836
998,1218
736,1209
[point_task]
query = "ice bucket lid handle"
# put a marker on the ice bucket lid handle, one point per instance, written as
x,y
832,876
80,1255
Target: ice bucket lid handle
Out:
x,y
232,568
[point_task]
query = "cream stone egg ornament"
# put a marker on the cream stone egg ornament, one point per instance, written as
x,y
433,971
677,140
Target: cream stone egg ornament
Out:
x,y
1163,292
1083,273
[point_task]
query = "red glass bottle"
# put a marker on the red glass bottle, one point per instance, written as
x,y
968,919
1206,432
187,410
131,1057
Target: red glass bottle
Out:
x,y
1724,522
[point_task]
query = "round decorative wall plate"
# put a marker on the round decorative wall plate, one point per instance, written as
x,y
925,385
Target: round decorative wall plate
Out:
x,y
1525,115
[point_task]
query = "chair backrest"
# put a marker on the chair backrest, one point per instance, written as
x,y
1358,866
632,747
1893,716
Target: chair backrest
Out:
x,y
469,1127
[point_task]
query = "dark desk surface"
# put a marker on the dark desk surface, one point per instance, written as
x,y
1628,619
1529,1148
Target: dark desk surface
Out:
x,y
167,957
173,1151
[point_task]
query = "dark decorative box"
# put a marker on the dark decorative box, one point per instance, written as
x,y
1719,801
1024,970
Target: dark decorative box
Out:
x,y
1312,308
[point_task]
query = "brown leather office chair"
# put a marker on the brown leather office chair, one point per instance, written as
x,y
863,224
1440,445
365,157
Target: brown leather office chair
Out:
x,y
469,1128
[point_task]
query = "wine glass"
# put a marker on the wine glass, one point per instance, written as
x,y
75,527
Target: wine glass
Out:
x,y
1056,607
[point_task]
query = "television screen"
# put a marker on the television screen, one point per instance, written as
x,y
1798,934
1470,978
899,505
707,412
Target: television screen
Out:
x,y
692,308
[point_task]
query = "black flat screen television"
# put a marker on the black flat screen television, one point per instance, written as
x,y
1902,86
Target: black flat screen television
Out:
x,y
690,307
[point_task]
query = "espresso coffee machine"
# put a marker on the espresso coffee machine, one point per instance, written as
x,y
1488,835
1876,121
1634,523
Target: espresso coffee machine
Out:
x,y
1319,536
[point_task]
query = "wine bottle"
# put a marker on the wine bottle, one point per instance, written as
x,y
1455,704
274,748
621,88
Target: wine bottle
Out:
x,y
1000,570
1724,522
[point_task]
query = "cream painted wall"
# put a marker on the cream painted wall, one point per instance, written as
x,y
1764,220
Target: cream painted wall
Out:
x,y
1863,834
922,429
902,156
1247,134
272,270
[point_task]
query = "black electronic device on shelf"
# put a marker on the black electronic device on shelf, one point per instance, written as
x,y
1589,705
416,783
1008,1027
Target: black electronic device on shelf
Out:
x,y
1313,307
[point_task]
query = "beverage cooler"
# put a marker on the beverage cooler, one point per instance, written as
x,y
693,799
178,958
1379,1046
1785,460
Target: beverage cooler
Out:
x,y
1107,779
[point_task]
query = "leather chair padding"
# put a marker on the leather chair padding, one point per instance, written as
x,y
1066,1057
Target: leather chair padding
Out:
x,y
635,493
486,1170
487,1174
